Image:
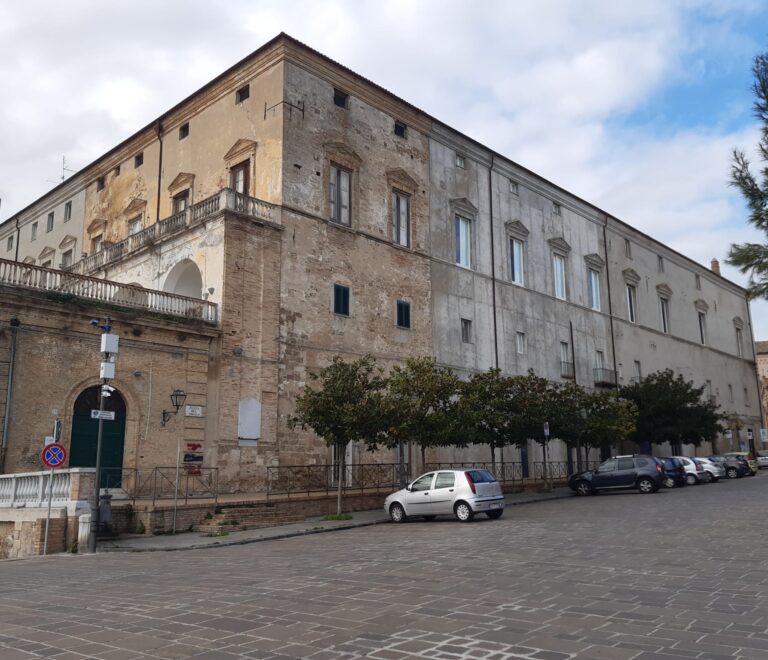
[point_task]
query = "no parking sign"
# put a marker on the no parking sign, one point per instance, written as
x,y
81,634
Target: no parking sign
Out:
x,y
54,455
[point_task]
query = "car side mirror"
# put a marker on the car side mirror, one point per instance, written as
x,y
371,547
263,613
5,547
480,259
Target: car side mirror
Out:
x,y
408,488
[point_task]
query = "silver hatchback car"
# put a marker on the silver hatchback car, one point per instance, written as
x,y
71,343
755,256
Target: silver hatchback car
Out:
x,y
461,493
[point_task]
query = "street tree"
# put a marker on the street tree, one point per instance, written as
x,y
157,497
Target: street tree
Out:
x,y
609,419
420,406
346,406
670,409
752,258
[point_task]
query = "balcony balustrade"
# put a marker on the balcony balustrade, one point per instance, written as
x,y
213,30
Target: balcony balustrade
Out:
x,y
604,377
567,369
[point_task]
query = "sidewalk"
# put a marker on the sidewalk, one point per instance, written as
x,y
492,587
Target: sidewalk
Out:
x,y
192,540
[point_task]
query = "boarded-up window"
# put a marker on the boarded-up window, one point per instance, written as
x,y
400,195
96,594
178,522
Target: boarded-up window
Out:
x,y
249,422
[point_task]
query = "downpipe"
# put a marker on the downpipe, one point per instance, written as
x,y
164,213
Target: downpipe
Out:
x,y
14,323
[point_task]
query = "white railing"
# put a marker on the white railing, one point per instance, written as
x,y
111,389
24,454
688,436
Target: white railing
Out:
x,y
225,199
30,489
91,288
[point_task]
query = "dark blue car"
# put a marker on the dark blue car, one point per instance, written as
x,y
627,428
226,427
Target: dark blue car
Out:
x,y
644,473
675,471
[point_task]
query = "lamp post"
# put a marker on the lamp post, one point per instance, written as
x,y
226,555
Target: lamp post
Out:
x,y
178,397
109,349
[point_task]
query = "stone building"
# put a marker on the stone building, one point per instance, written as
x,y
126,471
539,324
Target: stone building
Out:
x,y
290,211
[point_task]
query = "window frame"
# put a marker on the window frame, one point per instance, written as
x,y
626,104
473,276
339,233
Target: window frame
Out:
x,y
460,161
739,342
341,300
33,232
184,131
177,199
466,330
631,295
71,253
340,98
664,314
9,243
49,222
521,343
138,160
133,222
335,192
593,289
702,318
68,211
403,314
513,276
402,127
563,280
243,166
398,197
243,94
627,248
459,221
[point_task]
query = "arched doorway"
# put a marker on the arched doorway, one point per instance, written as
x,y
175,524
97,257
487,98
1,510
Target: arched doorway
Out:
x,y
184,279
82,451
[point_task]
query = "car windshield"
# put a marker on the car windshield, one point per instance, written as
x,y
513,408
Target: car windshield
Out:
x,y
481,476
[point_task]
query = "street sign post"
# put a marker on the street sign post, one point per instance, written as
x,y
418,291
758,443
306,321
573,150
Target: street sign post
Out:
x,y
54,455
103,414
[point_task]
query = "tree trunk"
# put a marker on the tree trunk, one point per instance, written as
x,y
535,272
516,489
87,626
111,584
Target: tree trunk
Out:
x,y
493,458
423,458
544,465
338,484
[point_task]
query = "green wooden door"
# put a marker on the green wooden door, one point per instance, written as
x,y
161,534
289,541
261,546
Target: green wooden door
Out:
x,y
82,452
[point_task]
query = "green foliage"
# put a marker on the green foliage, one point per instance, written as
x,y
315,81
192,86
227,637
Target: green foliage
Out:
x,y
609,419
752,258
337,516
670,409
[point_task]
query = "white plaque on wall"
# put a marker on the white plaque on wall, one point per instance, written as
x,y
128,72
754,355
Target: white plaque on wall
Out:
x,y
195,411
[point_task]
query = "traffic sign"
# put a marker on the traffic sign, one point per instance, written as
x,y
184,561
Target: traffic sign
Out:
x,y
103,414
54,455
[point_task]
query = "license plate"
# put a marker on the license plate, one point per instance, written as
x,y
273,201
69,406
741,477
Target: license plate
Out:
x,y
495,505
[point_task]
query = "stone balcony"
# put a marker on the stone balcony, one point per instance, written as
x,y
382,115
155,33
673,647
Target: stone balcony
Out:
x,y
225,200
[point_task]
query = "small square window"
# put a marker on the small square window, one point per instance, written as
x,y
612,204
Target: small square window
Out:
x,y
183,131
557,209
138,159
460,161
401,130
513,187
67,211
341,299
116,171
100,184
9,244
243,93
340,98
466,331
403,314
49,223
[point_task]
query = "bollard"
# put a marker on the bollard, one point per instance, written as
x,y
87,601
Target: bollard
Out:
x,y
83,531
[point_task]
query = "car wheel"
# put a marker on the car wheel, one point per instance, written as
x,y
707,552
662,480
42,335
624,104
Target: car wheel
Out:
x,y
732,473
646,485
464,512
752,473
429,518
712,478
583,488
495,514
691,479
397,513
669,482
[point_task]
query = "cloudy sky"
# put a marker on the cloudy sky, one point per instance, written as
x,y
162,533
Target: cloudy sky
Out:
x,y
632,105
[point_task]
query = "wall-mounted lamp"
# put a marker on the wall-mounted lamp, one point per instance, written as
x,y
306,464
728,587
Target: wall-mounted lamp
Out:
x,y
178,397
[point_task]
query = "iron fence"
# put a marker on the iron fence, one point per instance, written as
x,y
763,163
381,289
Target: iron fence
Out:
x,y
560,470
159,483
315,479
503,471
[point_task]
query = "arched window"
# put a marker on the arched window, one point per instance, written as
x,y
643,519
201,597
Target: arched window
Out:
x,y
184,279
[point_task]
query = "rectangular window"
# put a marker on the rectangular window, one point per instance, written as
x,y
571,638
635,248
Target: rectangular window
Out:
x,y
638,371
403,314
401,130
664,311
516,261
238,177
631,303
466,331
697,280
340,195
463,229
135,225
565,354
100,184
180,202
96,244
593,282
138,159
703,327
739,343
401,221
340,98
599,360
513,187
341,299
558,268
627,248
184,131
34,231
746,397
730,393
557,209
67,211
66,258
9,244
520,343
460,161
49,222
242,94
660,263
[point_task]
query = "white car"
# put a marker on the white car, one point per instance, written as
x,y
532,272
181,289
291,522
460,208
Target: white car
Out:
x,y
762,459
694,473
712,471
461,493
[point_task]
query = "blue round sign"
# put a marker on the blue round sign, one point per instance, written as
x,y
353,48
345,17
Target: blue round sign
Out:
x,y
54,455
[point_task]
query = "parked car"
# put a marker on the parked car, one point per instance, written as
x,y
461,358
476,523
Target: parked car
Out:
x,y
694,473
712,471
461,493
675,471
645,473
762,459
734,468
754,466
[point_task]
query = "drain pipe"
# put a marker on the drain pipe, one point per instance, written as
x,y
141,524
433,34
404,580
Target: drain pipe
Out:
x,y
493,266
159,130
14,323
610,302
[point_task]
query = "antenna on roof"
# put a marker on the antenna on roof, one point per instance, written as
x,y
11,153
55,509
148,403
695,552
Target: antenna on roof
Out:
x,y
64,170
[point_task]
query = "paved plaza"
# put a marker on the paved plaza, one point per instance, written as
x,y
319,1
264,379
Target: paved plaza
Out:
x,y
677,574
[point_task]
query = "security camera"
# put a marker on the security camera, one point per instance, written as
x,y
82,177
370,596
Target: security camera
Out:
x,y
94,322
108,388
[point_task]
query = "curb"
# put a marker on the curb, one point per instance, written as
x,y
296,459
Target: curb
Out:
x,y
304,532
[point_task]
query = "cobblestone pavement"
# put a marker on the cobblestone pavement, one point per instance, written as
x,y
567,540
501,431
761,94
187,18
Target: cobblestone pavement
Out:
x,y
677,574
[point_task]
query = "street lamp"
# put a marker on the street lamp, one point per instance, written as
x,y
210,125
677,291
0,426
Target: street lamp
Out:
x,y
178,397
